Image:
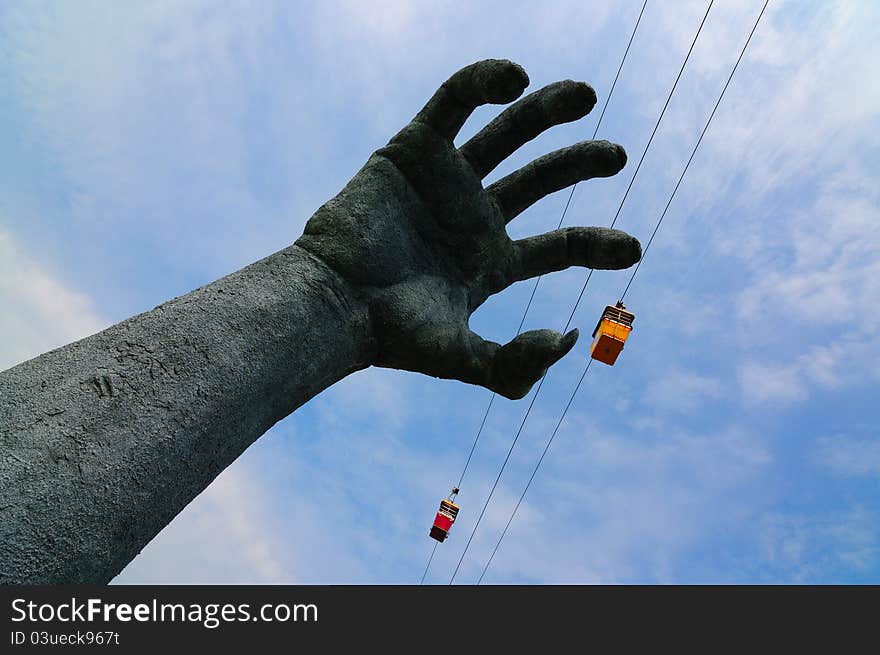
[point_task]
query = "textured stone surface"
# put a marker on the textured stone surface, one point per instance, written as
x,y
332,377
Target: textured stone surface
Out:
x,y
105,440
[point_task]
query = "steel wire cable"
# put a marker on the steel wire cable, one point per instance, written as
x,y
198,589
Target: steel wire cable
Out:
x,y
586,282
538,280
632,277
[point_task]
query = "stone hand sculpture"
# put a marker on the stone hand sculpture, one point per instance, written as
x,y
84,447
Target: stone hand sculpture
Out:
x,y
106,439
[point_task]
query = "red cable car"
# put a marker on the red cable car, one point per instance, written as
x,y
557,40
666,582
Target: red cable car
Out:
x,y
445,518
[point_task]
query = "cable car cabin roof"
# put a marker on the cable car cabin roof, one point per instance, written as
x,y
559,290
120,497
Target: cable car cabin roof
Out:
x,y
616,314
449,507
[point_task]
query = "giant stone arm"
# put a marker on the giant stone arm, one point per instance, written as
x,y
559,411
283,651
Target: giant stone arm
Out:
x,y
105,440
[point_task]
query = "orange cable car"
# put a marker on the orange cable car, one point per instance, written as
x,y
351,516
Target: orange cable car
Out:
x,y
445,518
611,333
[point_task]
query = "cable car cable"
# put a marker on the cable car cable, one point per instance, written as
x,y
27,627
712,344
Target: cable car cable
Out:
x,y
479,432
537,466
644,154
430,559
538,280
498,477
589,275
657,227
559,225
595,132
694,152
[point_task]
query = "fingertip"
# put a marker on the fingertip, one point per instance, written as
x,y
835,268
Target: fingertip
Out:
x,y
635,250
568,340
503,80
628,248
603,157
611,155
570,100
589,96
620,153
604,248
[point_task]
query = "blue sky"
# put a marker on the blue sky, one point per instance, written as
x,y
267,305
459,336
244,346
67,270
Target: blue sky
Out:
x,y
150,148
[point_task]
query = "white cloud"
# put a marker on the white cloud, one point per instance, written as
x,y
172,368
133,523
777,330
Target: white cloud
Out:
x,y
830,275
615,508
683,391
781,198
804,548
849,456
847,360
224,533
762,383
39,311
148,115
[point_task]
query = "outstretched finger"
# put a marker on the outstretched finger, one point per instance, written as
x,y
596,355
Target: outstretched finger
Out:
x,y
458,353
591,247
557,103
518,191
522,362
495,81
